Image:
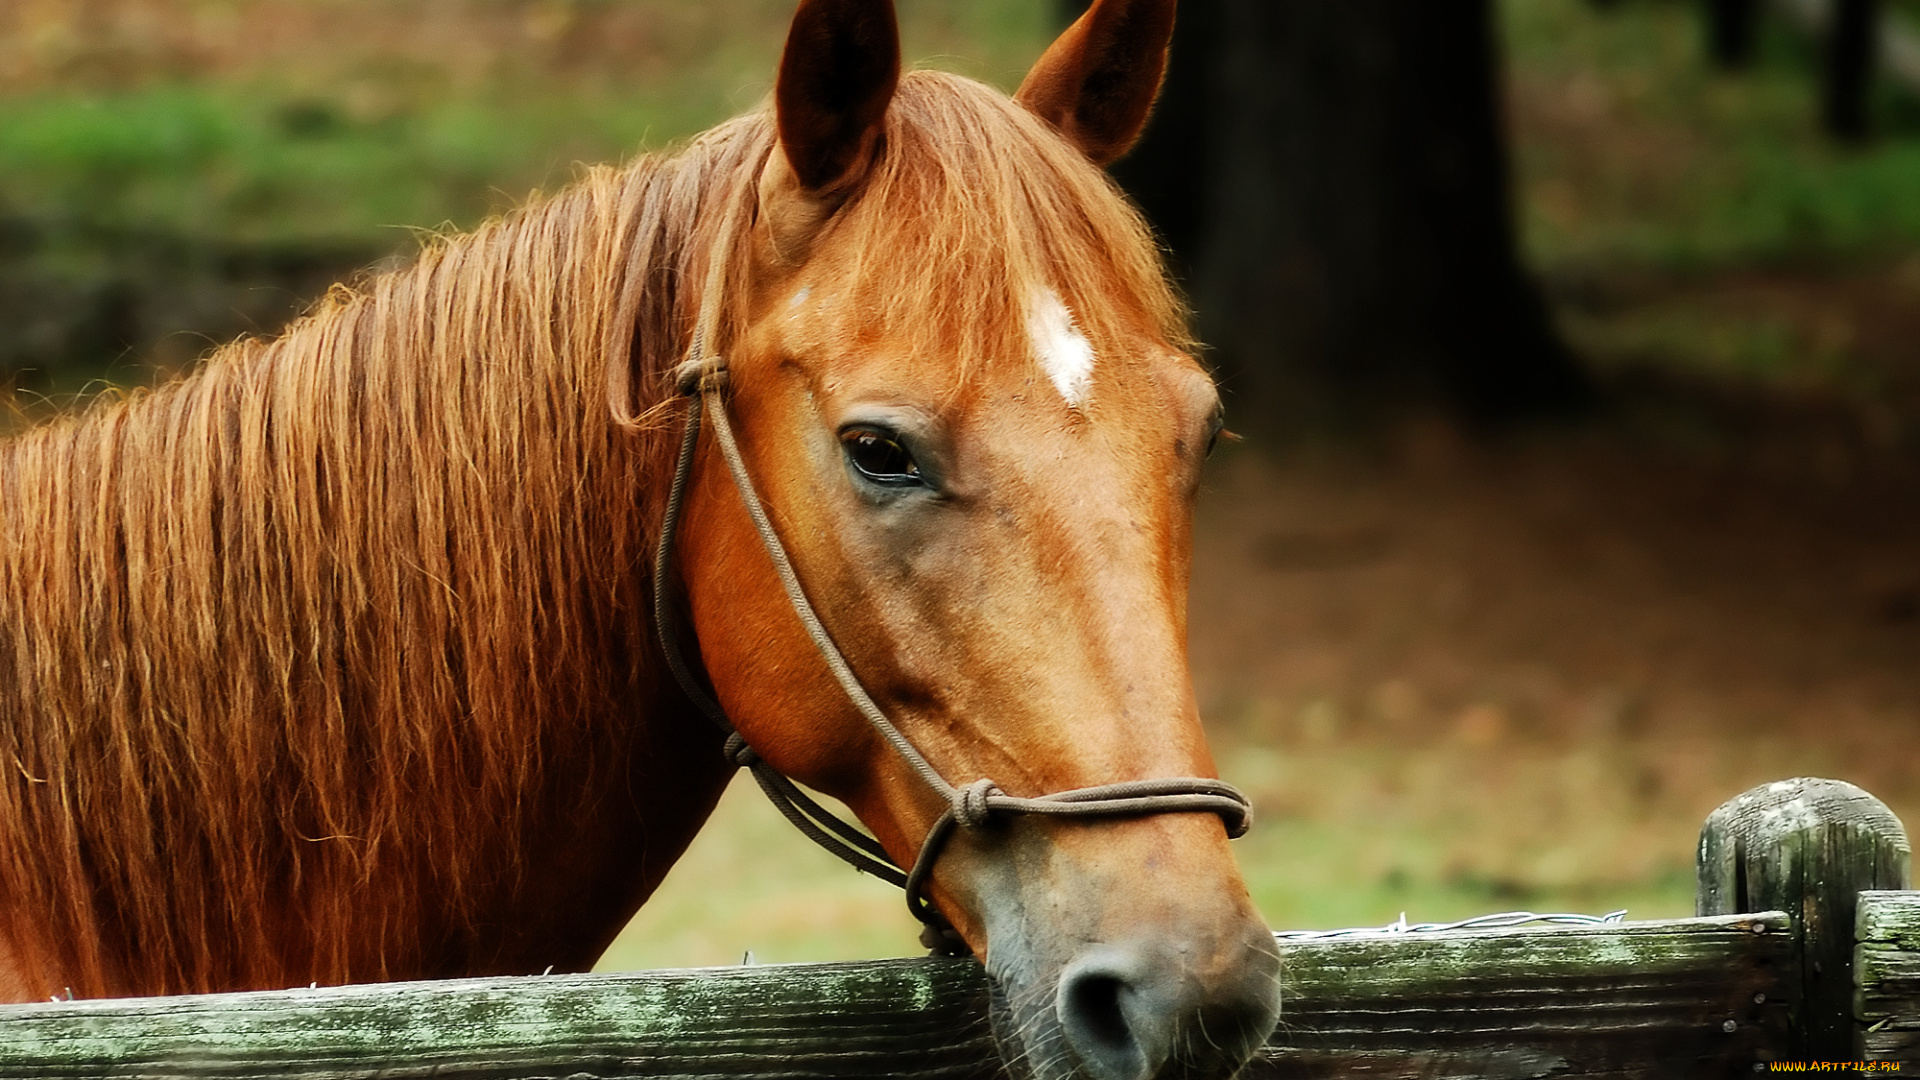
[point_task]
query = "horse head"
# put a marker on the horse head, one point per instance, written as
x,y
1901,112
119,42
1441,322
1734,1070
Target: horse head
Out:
x,y
961,384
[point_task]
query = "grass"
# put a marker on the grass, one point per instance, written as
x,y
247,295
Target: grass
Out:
x,y
1632,149
261,169
1697,223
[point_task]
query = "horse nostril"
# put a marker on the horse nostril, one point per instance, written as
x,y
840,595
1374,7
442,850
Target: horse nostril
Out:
x,y
1094,1004
1100,1013
1142,1011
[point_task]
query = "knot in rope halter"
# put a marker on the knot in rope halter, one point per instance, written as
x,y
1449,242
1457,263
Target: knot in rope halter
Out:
x,y
969,807
702,380
738,752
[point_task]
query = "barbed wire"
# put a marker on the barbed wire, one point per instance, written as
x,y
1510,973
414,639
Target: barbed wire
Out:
x,y
1478,922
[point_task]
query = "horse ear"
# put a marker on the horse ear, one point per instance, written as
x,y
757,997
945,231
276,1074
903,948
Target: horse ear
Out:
x,y
1096,84
837,76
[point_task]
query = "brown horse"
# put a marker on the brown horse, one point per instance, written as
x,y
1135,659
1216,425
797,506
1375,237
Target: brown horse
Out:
x,y
334,660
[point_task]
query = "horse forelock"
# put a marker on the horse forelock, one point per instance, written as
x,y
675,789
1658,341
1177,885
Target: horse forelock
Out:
x,y
325,614
975,212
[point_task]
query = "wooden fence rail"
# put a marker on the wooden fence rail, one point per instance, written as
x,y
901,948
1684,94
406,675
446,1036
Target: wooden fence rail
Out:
x,y
1718,995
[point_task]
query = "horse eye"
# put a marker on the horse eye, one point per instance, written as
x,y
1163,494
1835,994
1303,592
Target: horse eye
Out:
x,y
1215,432
880,457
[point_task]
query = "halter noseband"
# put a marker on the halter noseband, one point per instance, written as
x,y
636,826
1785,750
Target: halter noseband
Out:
x,y
702,380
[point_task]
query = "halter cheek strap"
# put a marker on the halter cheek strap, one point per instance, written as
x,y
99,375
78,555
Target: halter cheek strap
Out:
x,y
702,380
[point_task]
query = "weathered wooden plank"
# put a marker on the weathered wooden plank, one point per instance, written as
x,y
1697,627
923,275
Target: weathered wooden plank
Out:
x,y
1886,968
1637,1000
1652,999
1807,847
924,1018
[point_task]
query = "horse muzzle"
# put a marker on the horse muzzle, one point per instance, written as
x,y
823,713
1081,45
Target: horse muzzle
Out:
x,y
1108,972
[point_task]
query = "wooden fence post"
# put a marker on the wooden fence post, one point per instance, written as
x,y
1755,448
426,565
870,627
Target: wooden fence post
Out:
x,y
1886,976
1806,847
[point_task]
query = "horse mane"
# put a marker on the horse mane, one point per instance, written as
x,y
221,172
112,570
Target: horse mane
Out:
x,y
331,632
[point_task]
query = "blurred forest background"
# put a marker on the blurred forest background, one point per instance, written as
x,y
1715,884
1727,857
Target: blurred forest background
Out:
x,y
1473,642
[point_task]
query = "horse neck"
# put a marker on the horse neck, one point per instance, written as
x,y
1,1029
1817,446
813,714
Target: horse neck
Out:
x,y
326,643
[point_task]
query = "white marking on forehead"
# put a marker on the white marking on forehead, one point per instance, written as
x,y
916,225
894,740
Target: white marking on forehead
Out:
x,y
1063,351
800,297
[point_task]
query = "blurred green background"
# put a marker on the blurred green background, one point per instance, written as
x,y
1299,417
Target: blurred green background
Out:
x,y
1459,675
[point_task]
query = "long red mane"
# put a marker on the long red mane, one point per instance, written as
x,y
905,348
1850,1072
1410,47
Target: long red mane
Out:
x,y
331,633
